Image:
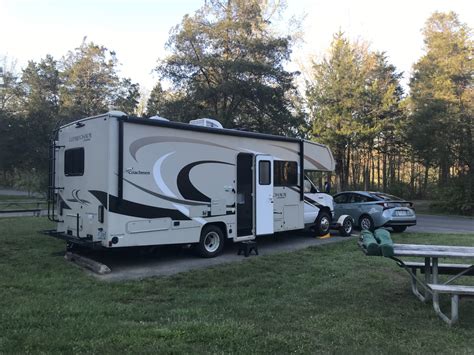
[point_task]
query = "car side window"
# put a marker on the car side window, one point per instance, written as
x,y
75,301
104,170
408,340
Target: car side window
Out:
x,y
342,198
356,198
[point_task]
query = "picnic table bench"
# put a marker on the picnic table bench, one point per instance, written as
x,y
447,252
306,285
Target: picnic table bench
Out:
x,y
4,206
431,268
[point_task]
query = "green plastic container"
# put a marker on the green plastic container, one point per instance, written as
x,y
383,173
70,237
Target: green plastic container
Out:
x,y
382,236
369,243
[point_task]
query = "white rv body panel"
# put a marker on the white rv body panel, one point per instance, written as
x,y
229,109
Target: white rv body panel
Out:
x,y
152,182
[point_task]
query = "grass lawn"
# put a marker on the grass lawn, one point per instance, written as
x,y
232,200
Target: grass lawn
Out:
x,y
329,299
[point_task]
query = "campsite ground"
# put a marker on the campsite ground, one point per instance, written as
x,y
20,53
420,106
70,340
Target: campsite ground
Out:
x,y
321,299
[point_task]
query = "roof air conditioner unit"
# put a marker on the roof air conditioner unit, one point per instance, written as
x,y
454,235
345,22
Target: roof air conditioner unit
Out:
x,y
206,122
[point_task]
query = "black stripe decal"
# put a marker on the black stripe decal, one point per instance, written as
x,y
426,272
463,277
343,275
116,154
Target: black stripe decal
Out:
x,y
186,188
63,203
129,208
167,198
311,201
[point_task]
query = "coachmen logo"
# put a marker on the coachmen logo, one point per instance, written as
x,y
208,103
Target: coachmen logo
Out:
x,y
83,137
132,171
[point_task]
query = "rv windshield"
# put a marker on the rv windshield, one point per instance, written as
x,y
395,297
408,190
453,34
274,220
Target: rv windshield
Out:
x,y
309,186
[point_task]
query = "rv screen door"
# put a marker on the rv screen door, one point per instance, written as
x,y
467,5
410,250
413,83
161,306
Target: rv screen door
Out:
x,y
264,194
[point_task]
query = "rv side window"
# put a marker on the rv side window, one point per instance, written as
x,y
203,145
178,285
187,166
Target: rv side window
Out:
x,y
74,162
264,172
285,173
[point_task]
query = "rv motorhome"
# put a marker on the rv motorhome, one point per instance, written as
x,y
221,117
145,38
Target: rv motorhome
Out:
x,y
119,181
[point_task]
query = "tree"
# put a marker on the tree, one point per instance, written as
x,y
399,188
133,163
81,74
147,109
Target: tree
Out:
x,y
442,100
91,84
353,98
127,96
89,81
156,101
9,87
227,64
334,101
10,129
39,86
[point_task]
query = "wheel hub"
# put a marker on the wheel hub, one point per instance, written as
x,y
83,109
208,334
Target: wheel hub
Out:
x,y
347,226
211,242
365,223
325,224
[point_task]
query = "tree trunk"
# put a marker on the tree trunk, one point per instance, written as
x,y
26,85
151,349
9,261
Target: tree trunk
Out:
x,y
378,171
425,179
412,176
384,171
348,161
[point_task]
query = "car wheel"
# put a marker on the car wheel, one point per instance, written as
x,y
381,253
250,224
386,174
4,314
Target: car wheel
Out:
x,y
323,223
346,229
211,242
366,222
399,229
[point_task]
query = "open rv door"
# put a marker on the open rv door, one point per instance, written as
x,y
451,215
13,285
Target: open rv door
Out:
x,y
263,194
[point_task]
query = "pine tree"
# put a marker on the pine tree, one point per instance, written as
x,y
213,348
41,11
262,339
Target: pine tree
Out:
x,y
227,64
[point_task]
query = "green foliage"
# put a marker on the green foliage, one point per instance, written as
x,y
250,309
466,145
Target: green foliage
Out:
x,y
452,197
39,85
442,104
127,96
227,64
354,99
30,181
48,93
156,103
401,189
91,84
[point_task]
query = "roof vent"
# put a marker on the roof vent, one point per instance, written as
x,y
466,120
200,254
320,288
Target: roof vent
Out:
x,y
206,122
115,113
158,118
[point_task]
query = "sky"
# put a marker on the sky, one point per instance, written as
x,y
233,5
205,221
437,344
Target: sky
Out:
x,y
137,30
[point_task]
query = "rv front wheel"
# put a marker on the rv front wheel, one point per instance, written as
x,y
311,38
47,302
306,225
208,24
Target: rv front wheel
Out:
x,y
323,223
211,242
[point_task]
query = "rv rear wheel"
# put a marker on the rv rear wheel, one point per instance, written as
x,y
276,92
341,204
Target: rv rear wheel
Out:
x,y
211,242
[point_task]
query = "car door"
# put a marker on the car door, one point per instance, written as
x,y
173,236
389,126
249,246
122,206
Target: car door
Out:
x,y
352,207
340,204
359,205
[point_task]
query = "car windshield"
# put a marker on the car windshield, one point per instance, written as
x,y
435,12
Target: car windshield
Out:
x,y
386,197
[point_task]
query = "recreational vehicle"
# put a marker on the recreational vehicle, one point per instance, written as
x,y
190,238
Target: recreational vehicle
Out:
x,y
120,181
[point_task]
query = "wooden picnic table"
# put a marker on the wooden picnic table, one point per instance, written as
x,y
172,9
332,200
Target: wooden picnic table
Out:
x,y
431,267
5,206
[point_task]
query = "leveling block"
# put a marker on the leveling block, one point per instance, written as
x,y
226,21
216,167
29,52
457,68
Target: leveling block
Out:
x,y
87,263
326,236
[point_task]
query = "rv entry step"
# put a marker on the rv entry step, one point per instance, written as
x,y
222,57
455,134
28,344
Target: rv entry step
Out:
x,y
247,247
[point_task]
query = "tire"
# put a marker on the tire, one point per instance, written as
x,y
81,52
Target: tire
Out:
x,y
211,242
399,229
71,247
366,222
323,223
346,229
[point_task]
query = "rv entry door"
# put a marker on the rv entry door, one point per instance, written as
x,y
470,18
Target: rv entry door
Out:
x,y
263,194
